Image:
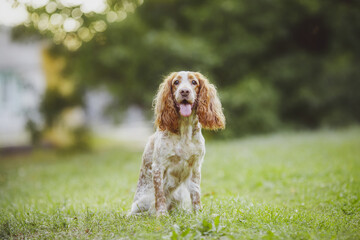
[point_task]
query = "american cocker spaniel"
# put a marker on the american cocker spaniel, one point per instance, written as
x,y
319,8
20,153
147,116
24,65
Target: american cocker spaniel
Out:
x,y
171,164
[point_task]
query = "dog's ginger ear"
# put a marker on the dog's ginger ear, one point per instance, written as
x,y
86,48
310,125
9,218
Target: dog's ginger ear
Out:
x,y
166,116
209,109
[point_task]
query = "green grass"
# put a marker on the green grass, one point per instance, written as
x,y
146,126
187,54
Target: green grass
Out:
x,y
280,186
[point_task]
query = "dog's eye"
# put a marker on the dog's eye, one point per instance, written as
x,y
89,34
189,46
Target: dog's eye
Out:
x,y
194,82
176,82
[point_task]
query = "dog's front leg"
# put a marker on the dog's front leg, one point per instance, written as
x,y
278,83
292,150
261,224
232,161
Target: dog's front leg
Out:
x,y
160,200
194,188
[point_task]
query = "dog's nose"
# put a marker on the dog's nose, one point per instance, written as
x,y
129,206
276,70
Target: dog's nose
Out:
x,y
185,92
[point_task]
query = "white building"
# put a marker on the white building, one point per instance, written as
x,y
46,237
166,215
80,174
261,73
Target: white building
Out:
x,y
22,83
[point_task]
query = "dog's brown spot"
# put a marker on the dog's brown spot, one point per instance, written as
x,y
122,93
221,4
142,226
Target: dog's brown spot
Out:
x,y
174,159
191,161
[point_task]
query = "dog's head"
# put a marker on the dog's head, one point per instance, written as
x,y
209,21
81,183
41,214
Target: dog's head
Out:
x,y
186,93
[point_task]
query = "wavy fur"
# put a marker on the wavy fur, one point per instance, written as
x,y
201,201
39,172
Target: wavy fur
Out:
x,y
166,114
209,109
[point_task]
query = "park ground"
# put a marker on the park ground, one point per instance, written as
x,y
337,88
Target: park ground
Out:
x,y
297,185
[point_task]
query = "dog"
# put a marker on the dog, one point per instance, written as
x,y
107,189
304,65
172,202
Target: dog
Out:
x,y
171,163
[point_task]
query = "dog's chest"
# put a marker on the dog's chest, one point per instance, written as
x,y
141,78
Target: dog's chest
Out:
x,y
182,158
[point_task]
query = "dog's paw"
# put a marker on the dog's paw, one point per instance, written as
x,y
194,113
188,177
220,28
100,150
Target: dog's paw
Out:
x,y
197,209
161,212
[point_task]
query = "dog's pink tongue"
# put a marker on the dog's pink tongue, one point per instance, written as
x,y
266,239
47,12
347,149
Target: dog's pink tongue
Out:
x,y
185,110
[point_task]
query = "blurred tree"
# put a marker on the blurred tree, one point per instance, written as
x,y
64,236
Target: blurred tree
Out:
x,y
61,107
72,22
293,62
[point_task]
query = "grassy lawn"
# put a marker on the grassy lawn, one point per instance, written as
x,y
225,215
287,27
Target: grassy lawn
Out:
x,y
280,186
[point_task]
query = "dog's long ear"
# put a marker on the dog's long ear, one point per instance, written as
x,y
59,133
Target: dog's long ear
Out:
x,y
209,108
166,116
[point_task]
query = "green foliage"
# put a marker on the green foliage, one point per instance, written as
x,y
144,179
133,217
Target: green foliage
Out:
x,y
304,56
305,70
251,107
54,102
72,22
283,186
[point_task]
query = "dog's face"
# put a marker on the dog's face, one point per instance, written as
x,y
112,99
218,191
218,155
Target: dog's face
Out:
x,y
185,88
183,93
